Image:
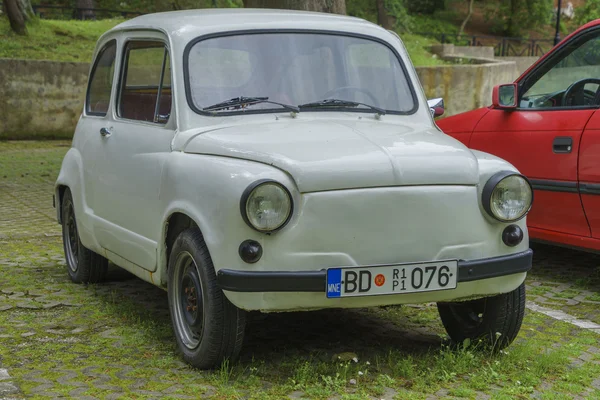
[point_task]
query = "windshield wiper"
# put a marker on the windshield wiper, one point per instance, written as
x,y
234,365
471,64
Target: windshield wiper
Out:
x,y
239,102
340,103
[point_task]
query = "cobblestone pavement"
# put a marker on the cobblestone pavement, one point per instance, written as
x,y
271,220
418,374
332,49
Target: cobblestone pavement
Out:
x,y
566,280
114,340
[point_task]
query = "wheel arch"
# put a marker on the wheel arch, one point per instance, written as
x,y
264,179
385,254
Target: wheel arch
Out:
x,y
176,222
70,177
59,195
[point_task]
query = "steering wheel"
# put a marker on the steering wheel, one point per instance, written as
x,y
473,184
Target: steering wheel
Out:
x,y
354,89
580,84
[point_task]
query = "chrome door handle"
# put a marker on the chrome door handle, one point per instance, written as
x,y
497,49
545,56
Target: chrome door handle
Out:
x,y
105,132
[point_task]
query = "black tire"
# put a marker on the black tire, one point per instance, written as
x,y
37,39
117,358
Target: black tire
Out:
x,y
83,265
493,321
212,332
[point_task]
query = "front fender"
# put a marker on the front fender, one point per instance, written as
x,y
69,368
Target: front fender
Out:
x,y
208,189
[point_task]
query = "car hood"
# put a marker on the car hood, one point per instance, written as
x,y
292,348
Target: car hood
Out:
x,y
330,155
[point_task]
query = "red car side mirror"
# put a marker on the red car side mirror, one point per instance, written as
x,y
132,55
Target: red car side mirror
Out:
x,y
505,96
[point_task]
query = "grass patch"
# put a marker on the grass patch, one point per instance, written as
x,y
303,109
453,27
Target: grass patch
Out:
x,y
418,50
567,294
54,40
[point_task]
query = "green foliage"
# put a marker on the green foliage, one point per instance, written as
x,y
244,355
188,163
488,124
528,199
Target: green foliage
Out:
x,y
143,6
587,12
424,6
512,17
397,9
442,22
366,9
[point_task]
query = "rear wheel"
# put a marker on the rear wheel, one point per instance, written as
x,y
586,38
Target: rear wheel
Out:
x,y
495,321
83,265
208,328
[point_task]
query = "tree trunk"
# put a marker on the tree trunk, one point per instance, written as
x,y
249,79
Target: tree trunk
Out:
x,y
26,9
467,18
383,18
330,6
16,17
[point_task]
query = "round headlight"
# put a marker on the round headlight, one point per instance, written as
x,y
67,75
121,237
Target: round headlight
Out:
x,y
507,196
266,206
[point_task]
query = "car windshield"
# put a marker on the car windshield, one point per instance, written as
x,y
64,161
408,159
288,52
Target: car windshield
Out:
x,y
296,69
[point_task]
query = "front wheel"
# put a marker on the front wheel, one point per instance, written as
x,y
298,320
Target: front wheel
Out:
x,y
495,321
208,328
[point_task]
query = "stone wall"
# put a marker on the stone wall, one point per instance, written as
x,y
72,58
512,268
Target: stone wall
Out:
x,y
44,99
40,98
465,87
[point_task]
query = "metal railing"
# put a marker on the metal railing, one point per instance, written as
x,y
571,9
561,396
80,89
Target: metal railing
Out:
x,y
503,46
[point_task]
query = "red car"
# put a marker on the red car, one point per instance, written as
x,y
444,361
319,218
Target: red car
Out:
x,y
547,124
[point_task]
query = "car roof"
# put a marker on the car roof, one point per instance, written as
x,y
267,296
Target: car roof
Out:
x,y
589,24
187,24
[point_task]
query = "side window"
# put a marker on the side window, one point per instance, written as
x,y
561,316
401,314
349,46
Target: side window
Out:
x,y
100,86
145,91
570,80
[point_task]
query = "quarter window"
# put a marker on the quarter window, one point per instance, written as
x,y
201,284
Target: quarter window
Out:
x,y
100,86
145,93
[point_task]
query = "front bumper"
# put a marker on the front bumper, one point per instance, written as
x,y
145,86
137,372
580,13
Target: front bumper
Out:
x,y
315,281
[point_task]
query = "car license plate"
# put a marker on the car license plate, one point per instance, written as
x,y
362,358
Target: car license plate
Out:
x,y
391,279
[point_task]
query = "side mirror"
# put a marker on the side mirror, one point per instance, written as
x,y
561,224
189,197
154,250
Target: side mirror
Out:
x,y
436,106
505,96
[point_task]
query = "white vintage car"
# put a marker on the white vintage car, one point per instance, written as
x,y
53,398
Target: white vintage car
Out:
x,y
278,161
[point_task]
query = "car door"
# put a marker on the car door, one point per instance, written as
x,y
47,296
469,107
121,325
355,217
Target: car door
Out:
x,y
135,144
95,116
589,174
542,137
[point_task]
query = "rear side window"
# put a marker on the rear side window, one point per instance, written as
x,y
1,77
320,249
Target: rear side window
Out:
x,y
145,92
98,95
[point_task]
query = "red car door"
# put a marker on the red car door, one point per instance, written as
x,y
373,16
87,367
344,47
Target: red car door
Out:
x,y
589,173
542,137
